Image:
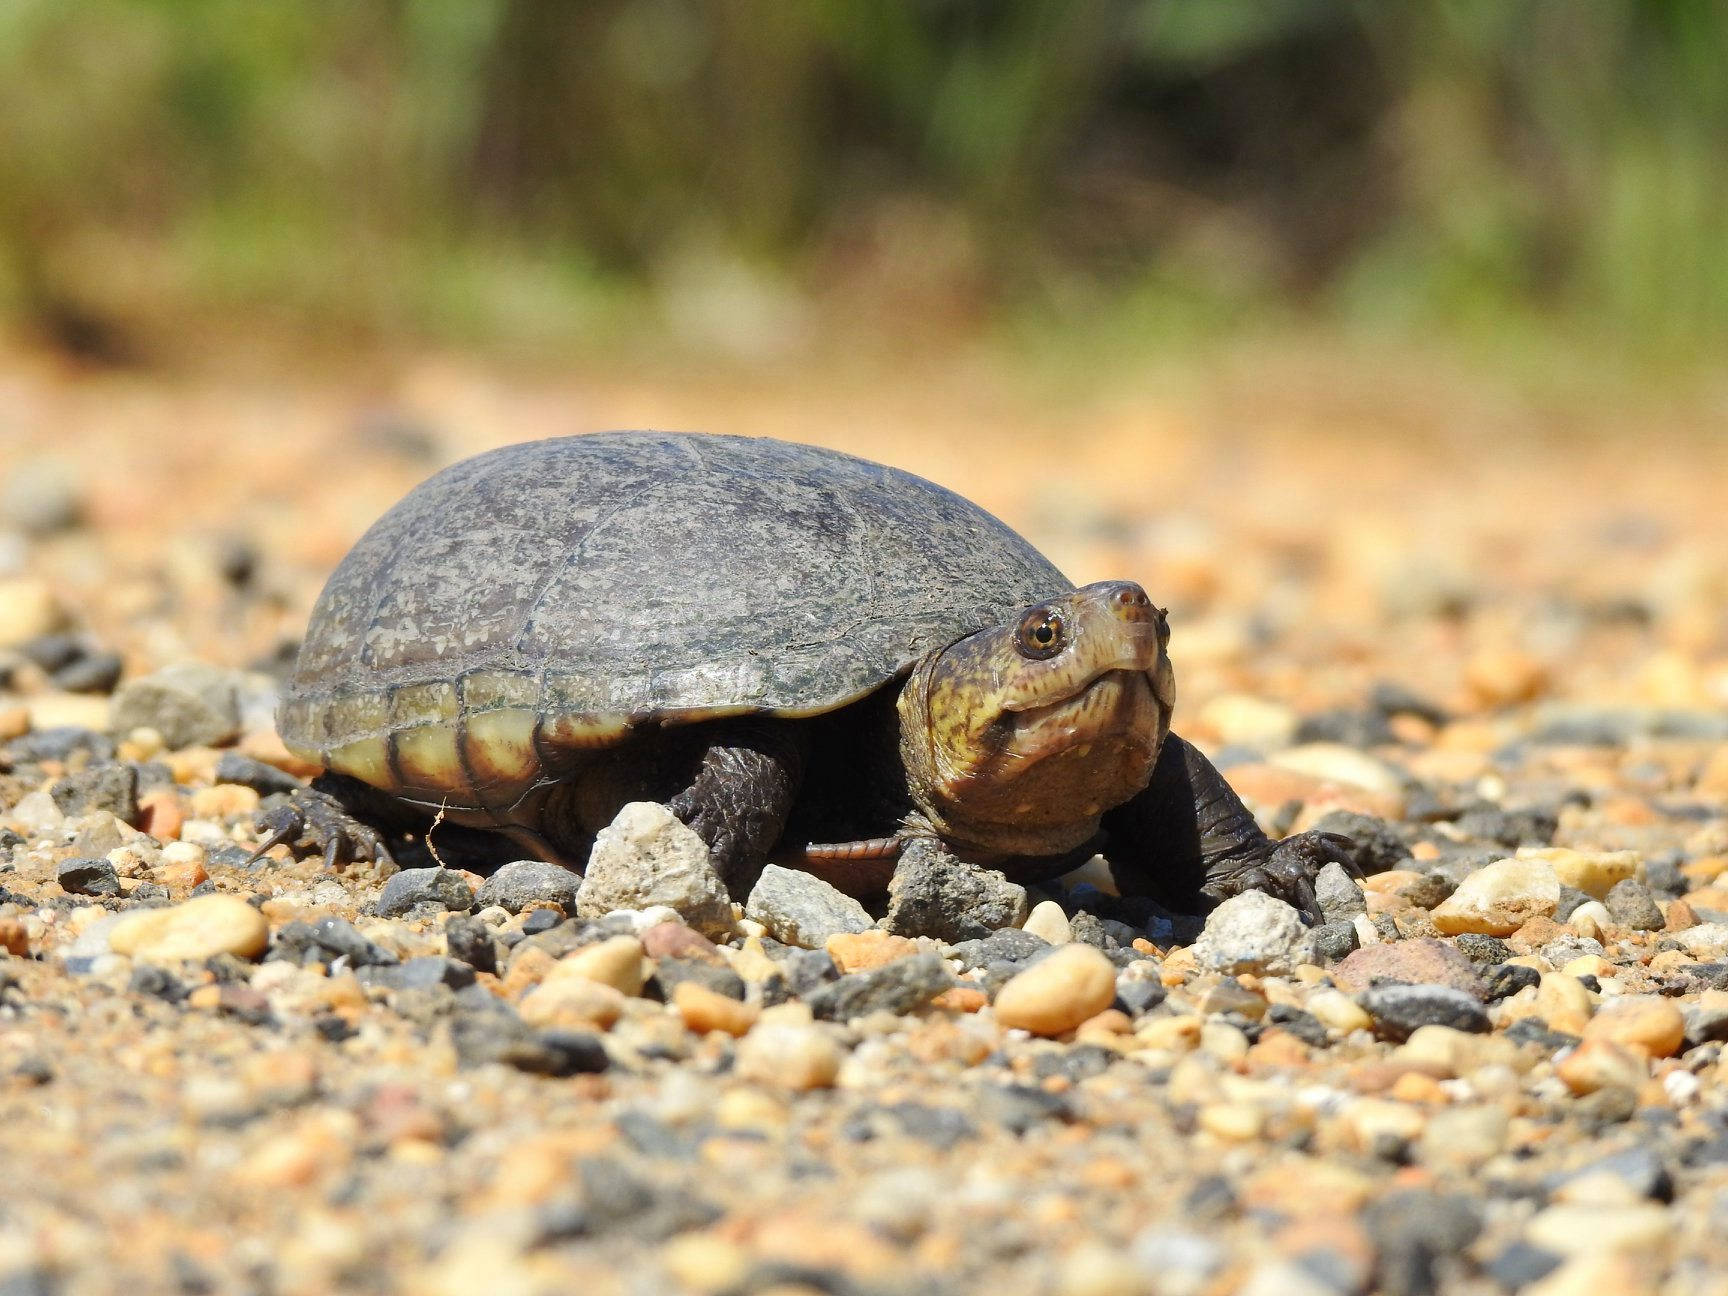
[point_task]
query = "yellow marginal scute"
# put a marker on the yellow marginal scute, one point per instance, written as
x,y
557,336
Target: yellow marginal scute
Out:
x,y
367,760
576,730
429,762
500,748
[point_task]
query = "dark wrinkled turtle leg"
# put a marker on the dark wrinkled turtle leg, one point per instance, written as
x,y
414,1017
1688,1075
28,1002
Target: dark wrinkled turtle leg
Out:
x,y
742,793
1188,839
340,817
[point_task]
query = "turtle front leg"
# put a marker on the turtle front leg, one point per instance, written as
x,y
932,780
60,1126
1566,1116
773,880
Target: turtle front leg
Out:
x,y
336,816
1188,839
745,782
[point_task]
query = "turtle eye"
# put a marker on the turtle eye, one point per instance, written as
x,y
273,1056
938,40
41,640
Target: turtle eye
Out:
x,y
1041,634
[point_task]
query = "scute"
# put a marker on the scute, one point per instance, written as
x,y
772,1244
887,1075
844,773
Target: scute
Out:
x,y
597,579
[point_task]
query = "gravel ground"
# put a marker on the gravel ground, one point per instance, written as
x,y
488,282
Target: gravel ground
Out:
x,y
1493,654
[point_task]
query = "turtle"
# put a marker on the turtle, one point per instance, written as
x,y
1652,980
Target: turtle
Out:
x,y
809,658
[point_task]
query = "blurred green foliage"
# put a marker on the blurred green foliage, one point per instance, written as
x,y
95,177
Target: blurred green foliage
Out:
x,y
753,172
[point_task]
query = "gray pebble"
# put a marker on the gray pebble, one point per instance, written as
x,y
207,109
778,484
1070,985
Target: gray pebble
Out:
x,y
1505,979
469,939
799,908
670,972
1631,905
190,705
91,877
1417,1234
1570,899
1482,949
1398,1010
112,787
435,886
1338,894
935,894
1010,945
526,884
898,987
1334,940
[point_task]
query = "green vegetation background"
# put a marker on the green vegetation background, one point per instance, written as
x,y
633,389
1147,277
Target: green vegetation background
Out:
x,y
751,175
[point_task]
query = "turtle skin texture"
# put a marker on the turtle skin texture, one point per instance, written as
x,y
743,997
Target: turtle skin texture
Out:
x,y
540,634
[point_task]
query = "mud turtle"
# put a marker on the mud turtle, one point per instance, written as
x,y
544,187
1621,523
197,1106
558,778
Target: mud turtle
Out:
x,y
806,655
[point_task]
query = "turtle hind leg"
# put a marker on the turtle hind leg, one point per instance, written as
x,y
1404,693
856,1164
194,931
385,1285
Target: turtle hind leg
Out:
x,y
745,781
341,818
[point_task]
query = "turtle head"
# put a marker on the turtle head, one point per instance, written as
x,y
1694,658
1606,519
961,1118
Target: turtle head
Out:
x,y
1016,739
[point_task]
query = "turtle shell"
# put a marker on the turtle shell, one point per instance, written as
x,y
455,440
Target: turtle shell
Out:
x,y
560,594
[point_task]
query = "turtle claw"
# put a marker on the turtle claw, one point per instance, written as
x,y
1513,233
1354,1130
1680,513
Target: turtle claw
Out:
x,y
1288,872
309,819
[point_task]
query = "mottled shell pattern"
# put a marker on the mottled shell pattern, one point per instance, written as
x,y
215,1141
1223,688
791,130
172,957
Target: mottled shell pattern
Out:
x,y
561,594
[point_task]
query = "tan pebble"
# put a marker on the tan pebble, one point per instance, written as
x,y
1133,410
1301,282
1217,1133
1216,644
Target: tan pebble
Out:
x,y
1564,1002
750,960
1417,1087
14,722
1462,1138
1223,1041
1591,920
1440,1050
1372,1119
751,1109
1244,718
675,940
15,937
1602,1064
318,1146
1597,1188
1499,898
1236,1122
1048,921
572,1001
1570,1230
1498,677
1366,932
864,951
1177,967
224,801
200,928
794,1057
616,961
528,967
77,709
1304,1187
1058,992
1593,872
1649,1023
1338,1010
161,814
1174,1034
1390,882
1679,915
705,1263
180,876
28,609
963,999
704,1010
1597,1274
1092,1269
1590,965
1112,1021
1277,1049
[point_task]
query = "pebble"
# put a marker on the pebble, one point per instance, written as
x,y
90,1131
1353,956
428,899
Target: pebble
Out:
x,y
1595,873
799,908
1338,894
190,705
1334,941
617,962
1058,992
1252,932
1598,1064
568,998
1568,1229
648,856
1048,923
1499,899
899,987
1399,1010
1564,1002
935,894
703,1010
789,1056
1422,960
201,928
527,884
1631,904
409,888
1648,1023
868,950
1338,1010
28,610
92,877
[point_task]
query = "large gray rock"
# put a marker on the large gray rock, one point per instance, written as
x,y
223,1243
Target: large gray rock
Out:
x,y
411,888
190,705
647,856
801,909
933,893
1253,932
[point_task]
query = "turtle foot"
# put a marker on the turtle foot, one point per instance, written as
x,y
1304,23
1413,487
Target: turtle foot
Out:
x,y
1288,872
307,819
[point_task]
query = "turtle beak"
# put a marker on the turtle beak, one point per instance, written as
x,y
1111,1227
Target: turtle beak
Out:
x,y
1112,626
